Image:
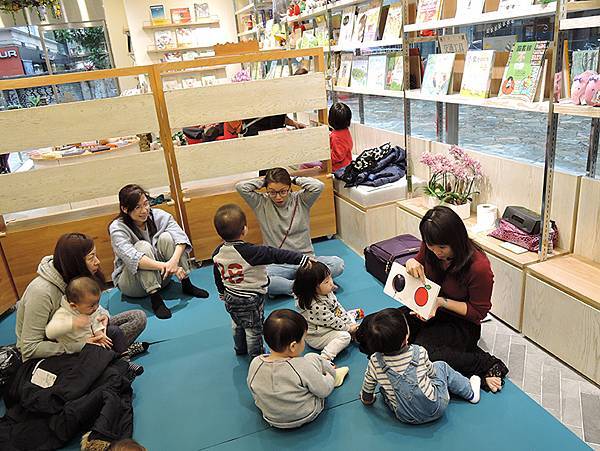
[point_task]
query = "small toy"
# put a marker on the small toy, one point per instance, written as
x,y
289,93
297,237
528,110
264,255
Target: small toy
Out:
x,y
579,86
592,91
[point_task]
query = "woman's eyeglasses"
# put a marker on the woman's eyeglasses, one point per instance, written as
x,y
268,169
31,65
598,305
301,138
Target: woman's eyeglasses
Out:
x,y
282,193
144,206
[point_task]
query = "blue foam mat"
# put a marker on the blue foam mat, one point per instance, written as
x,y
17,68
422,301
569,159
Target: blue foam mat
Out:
x,y
193,394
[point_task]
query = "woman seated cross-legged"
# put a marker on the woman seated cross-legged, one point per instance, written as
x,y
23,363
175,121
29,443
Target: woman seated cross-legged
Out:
x,y
149,248
284,219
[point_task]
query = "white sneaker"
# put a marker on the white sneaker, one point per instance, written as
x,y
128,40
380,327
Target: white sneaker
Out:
x,y
476,386
340,375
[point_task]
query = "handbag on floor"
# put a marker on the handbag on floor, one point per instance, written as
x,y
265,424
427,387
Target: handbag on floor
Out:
x,y
380,256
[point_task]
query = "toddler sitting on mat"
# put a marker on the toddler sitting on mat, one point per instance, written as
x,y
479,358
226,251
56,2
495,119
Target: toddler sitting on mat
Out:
x,y
416,390
289,389
330,326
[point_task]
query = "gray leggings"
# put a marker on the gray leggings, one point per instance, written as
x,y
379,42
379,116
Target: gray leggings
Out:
x,y
132,323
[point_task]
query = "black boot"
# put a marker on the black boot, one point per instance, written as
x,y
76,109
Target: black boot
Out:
x,y
158,306
189,288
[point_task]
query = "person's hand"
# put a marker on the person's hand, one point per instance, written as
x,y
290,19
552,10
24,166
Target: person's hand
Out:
x,y
100,340
103,319
415,269
181,274
171,268
81,322
419,316
353,328
495,383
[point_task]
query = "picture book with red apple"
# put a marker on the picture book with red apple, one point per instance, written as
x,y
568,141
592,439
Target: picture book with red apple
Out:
x,y
410,291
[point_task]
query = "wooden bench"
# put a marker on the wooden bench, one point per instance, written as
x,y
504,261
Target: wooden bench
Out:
x,y
562,295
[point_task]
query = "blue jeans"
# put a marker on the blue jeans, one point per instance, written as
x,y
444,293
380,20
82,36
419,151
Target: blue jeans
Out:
x,y
282,276
247,317
412,406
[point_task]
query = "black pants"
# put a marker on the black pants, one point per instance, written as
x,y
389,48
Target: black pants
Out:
x,y
116,334
452,339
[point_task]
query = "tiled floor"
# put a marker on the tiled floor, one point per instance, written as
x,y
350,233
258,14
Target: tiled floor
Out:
x,y
572,399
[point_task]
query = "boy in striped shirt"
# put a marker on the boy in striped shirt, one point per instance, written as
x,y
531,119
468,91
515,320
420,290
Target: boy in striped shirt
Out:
x,y
416,390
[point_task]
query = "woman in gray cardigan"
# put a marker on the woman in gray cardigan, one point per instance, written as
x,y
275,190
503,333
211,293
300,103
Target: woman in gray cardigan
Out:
x,y
74,256
149,248
284,219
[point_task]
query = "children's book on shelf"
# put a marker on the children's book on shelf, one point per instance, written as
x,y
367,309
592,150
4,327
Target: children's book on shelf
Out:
x,y
165,39
372,25
584,60
522,73
272,70
343,78
185,37
377,72
358,75
393,23
453,43
360,24
158,16
190,55
420,297
428,10
201,11
514,5
190,83
438,74
469,8
285,72
171,57
181,15
477,75
395,72
499,43
347,26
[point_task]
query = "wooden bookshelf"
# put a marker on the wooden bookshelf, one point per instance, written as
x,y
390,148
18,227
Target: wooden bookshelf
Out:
x,y
494,16
585,5
209,22
580,22
179,49
199,70
577,110
370,92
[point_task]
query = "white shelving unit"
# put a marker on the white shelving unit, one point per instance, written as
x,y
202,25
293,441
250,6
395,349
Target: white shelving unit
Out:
x,y
209,22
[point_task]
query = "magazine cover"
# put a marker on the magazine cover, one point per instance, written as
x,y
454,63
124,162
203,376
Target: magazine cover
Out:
x,y
438,74
428,10
347,27
522,73
395,72
343,79
358,77
393,23
158,15
477,75
377,72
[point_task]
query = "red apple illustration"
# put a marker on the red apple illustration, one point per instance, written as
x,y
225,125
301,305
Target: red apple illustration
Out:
x,y
422,296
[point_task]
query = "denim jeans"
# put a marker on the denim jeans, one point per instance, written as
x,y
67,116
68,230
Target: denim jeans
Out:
x,y
247,315
412,406
282,277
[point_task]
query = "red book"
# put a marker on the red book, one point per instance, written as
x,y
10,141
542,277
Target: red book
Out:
x,y
181,15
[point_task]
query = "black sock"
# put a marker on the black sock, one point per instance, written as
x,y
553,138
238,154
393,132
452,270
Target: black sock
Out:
x,y
189,288
158,306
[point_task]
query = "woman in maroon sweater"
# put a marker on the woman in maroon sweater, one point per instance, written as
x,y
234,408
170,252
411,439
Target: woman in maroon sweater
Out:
x,y
449,258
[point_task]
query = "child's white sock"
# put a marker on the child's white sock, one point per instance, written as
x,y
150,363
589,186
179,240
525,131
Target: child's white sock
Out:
x,y
476,386
340,375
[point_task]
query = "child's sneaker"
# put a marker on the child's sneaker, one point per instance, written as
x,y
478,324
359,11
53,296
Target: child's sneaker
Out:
x,y
340,375
476,386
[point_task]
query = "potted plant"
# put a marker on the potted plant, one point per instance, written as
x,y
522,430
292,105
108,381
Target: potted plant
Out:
x,y
453,180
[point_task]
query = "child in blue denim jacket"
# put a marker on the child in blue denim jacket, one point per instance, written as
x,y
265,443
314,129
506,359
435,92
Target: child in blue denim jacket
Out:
x,y
416,390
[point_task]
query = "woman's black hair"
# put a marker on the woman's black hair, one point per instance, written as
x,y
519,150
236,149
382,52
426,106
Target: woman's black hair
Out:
x,y
278,175
282,327
384,331
69,257
308,278
441,226
340,116
129,197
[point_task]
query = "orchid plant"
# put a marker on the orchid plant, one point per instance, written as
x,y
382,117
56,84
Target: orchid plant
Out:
x,y
241,76
454,177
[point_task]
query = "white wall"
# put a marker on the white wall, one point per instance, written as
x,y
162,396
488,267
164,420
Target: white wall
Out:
x,y
138,12
116,24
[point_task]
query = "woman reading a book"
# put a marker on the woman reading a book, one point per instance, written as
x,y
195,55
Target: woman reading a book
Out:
x,y
449,258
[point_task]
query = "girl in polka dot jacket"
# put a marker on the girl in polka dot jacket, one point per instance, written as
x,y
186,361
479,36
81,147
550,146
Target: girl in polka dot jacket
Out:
x,y
330,326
